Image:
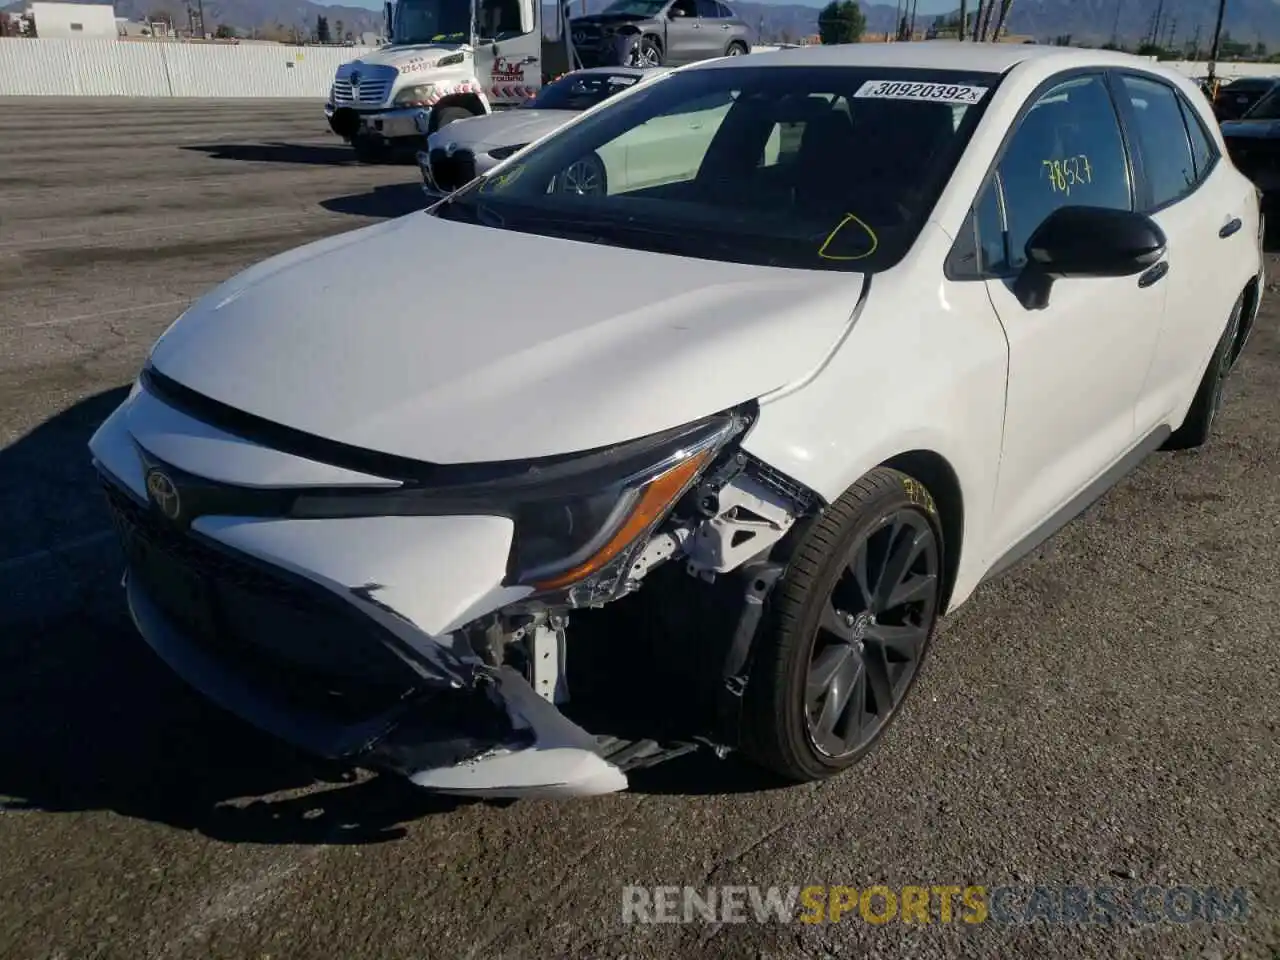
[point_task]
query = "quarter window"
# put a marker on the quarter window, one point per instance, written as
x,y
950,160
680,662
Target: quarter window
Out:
x,y
1162,139
1067,150
1203,150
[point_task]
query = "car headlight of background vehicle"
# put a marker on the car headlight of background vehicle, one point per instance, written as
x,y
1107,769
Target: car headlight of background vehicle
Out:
x,y
415,96
573,515
501,153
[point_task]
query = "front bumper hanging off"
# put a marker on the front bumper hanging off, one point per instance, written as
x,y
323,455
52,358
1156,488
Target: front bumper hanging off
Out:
x,y
338,636
399,123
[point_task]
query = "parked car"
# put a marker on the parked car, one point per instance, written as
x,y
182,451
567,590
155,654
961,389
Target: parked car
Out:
x,y
1253,143
651,33
1234,99
753,424
458,153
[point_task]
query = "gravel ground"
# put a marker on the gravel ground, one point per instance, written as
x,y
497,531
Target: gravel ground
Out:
x,y
1105,715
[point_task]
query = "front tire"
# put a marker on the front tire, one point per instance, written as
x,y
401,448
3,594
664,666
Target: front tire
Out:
x,y
736,49
647,53
850,627
446,115
1198,425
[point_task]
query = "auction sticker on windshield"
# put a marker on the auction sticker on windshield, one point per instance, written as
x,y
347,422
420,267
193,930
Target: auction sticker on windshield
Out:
x,y
929,92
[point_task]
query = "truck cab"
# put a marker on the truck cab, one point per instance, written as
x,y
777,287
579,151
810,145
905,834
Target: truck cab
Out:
x,y
446,59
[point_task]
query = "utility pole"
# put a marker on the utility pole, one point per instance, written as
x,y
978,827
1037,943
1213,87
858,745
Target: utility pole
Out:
x,y
911,33
1217,40
1115,26
1195,44
964,16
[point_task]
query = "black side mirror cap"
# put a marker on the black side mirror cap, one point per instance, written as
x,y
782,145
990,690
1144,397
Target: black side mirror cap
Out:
x,y
1077,242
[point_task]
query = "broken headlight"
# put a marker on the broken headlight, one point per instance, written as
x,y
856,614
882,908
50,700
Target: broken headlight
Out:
x,y
501,153
573,515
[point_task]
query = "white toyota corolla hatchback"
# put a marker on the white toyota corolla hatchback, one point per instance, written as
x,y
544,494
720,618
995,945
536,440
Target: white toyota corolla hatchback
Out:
x,y
913,307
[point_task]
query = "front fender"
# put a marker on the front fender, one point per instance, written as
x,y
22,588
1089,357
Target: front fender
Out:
x,y
920,370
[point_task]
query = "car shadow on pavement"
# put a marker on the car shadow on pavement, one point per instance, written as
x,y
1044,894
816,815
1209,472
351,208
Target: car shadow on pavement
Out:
x,y
338,154
91,720
387,201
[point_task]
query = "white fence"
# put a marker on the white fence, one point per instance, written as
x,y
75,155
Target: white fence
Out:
x,y
111,68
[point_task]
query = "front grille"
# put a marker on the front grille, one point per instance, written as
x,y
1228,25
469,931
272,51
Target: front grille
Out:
x,y
366,93
450,173
296,642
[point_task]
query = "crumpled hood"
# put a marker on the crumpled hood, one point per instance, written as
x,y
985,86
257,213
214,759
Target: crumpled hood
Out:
x,y
1251,129
401,57
449,342
502,129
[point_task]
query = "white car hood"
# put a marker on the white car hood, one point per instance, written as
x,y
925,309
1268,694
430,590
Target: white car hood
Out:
x,y
400,57
502,129
449,343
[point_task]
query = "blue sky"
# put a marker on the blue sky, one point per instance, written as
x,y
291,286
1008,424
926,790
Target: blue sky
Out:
x,y
925,6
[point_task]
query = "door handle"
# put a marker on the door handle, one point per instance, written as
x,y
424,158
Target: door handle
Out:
x,y
1154,275
724,26
1232,225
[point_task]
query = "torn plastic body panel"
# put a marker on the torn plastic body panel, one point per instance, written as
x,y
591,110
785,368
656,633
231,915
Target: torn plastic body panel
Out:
x,y
409,638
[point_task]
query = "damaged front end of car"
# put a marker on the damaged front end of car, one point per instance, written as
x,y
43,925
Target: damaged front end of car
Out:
x,y
416,618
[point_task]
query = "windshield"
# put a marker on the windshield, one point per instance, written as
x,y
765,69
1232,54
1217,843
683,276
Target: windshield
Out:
x,y
636,8
824,168
578,91
432,21
1268,108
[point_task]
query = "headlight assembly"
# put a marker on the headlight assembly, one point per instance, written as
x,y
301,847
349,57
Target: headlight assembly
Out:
x,y
573,515
451,60
415,96
501,153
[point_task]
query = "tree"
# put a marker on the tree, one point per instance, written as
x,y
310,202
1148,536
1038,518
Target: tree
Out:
x,y
841,21
322,30
225,32
338,32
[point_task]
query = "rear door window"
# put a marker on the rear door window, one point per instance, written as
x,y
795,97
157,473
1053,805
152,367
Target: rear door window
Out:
x,y
1161,134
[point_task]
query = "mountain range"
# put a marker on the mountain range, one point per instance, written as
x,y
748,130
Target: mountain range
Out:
x,y
1085,21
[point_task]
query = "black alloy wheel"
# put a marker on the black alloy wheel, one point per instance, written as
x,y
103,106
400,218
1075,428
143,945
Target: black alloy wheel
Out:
x,y
872,634
848,629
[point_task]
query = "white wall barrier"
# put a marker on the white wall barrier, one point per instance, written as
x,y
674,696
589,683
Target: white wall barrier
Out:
x,y
111,68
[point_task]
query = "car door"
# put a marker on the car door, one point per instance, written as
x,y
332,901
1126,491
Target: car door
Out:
x,y
1203,216
714,29
1075,367
684,33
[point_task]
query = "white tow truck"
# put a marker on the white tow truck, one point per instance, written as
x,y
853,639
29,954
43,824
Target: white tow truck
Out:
x,y
447,59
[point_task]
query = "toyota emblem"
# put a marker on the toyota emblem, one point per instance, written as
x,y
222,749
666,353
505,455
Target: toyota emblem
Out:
x,y
451,149
163,494
579,37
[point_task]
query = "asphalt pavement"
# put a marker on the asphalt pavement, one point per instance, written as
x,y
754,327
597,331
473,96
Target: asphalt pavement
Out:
x,y
1105,716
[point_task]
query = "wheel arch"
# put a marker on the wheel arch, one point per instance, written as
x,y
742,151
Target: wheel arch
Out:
x,y
1252,295
471,102
943,483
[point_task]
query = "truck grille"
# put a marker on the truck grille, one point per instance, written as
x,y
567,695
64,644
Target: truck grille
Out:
x,y
293,642
367,93
450,173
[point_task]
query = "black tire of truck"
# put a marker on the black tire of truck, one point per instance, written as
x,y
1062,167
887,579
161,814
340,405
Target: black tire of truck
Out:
x,y
446,115
367,150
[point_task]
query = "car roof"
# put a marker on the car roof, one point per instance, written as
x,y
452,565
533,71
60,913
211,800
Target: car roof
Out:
x,y
933,54
624,71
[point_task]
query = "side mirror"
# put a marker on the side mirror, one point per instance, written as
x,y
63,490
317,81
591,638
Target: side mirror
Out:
x,y
1076,242
675,12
